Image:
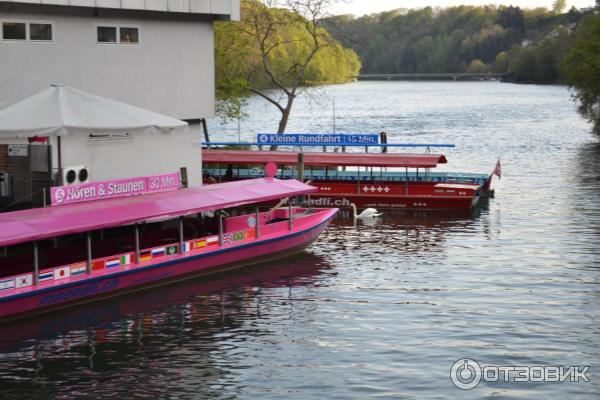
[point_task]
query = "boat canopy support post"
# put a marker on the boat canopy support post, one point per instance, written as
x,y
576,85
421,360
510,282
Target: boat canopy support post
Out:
x,y
137,243
257,222
181,238
220,227
291,212
89,252
406,181
36,264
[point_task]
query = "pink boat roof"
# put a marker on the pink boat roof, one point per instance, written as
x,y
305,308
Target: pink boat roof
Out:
x,y
324,159
44,223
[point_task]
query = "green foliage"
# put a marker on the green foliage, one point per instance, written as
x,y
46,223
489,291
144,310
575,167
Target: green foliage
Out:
x,y
541,62
582,68
449,40
275,48
559,6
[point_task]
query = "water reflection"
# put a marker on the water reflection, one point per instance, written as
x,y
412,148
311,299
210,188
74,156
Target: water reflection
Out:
x,y
149,338
407,232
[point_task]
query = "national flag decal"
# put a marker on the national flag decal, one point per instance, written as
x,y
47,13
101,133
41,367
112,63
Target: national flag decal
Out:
x,y
172,250
46,276
238,236
113,262
61,273
24,280
7,284
187,247
158,252
126,259
145,256
212,240
78,269
200,244
98,264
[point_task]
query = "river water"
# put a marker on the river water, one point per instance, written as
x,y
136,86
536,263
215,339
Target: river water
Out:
x,y
378,310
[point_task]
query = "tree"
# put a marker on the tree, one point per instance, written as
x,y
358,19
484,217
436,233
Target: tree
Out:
x,y
558,6
582,69
477,67
278,50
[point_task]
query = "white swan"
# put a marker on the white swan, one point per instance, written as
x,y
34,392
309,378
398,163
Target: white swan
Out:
x,y
367,213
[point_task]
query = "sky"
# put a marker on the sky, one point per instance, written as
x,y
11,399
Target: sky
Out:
x,y
362,7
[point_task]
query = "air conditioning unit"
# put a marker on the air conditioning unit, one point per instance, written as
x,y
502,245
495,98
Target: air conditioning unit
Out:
x,y
76,175
4,184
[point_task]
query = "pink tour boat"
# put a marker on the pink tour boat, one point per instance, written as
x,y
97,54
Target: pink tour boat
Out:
x,y
79,251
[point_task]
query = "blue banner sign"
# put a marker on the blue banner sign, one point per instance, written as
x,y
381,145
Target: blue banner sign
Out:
x,y
318,139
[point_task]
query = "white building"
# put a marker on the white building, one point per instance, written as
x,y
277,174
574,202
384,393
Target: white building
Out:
x,y
153,54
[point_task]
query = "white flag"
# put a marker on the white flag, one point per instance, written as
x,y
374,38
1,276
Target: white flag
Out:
x,y
24,280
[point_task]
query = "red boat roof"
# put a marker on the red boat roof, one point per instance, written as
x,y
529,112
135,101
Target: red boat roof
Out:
x,y
49,222
323,159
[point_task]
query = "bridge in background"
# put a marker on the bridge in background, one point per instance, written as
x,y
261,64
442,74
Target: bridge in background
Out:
x,y
446,76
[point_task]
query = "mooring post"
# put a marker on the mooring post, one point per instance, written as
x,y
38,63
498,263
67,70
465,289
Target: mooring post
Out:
x,y
383,140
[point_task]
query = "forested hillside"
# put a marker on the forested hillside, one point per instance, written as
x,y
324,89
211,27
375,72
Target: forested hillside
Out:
x,y
528,43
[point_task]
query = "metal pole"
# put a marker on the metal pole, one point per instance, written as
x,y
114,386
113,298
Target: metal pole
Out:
x,y
220,228
406,181
89,253
137,243
291,216
36,264
60,168
257,222
181,238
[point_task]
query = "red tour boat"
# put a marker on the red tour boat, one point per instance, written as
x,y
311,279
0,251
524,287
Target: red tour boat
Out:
x,y
366,182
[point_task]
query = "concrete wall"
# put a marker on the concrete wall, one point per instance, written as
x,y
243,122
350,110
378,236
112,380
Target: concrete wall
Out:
x,y
171,70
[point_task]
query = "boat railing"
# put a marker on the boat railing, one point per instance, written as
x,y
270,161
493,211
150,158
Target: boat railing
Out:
x,y
353,175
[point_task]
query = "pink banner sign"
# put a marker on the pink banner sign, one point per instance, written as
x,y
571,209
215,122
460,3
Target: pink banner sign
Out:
x,y
115,188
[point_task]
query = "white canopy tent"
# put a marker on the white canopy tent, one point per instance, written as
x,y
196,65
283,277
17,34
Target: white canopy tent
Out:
x,y
62,111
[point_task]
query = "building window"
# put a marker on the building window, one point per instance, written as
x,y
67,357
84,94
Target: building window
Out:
x,y
14,31
40,32
121,35
26,31
107,34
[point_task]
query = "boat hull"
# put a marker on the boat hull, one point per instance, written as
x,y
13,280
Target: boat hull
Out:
x,y
95,288
394,202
